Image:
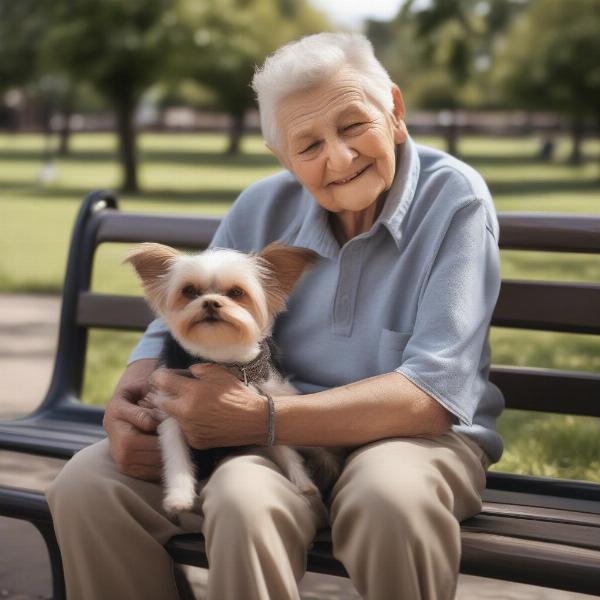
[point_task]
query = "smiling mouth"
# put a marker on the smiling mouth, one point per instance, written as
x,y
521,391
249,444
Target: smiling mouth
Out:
x,y
351,178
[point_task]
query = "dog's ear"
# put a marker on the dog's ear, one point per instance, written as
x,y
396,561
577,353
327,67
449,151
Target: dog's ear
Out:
x,y
286,265
152,263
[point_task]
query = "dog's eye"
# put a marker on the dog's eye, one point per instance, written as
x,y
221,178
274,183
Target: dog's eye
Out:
x,y
235,292
189,291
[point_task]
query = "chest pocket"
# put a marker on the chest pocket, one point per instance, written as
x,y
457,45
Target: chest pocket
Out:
x,y
390,350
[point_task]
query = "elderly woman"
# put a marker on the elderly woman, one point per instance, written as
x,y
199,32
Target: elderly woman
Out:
x,y
386,339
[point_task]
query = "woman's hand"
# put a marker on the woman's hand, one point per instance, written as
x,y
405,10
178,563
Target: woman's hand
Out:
x,y
214,408
130,427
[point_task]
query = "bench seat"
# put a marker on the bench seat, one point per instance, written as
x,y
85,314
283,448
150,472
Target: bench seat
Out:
x,y
533,543
49,435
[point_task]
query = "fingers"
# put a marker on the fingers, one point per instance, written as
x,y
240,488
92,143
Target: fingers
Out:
x,y
172,392
169,382
131,427
138,416
132,442
135,453
145,403
211,371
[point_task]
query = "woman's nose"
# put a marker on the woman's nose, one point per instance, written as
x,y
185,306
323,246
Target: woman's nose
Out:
x,y
340,155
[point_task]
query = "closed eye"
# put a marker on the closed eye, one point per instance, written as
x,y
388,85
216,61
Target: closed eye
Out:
x,y
313,146
353,126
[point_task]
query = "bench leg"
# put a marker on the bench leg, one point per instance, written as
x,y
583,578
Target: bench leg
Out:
x,y
58,580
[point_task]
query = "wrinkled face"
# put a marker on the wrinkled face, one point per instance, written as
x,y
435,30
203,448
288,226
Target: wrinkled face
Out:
x,y
340,144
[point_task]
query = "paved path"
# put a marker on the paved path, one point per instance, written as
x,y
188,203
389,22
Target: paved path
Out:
x,y
28,329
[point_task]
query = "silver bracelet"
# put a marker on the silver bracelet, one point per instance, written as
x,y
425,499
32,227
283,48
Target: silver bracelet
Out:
x,y
271,421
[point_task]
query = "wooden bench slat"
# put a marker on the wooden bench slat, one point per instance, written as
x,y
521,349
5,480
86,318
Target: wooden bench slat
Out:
x,y
549,390
112,311
543,514
547,501
552,232
189,231
530,561
574,535
567,307
570,308
48,437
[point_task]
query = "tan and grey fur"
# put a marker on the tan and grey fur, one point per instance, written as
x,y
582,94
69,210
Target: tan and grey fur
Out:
x,y
219,305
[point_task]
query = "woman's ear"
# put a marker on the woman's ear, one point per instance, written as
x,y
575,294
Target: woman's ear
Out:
x,y
398,112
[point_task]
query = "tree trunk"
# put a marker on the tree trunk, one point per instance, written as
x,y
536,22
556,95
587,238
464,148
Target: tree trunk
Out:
x,y
576,157
449,122
65,137
452,139
127,144
65,131
598,133
547,148
236,130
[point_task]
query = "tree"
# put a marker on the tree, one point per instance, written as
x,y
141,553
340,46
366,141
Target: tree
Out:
x,y
23,26
440,49
228,38
550,60
117,47
20,27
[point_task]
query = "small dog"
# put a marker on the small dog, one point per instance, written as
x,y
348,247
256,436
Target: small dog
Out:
x,y
220,307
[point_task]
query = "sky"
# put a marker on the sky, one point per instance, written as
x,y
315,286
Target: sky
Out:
x,y
351,13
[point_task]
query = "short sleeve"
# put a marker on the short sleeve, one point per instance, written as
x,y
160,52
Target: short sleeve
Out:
x,y
446,353
151,344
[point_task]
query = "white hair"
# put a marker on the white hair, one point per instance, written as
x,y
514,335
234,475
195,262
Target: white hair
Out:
x,y
310,61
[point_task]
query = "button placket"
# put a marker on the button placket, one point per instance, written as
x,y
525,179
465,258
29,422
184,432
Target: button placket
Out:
x,y
350,267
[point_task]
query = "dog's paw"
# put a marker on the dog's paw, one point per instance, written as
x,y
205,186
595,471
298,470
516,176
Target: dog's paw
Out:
x,y
176,503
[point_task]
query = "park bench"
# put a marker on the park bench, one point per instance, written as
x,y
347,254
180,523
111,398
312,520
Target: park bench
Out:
x,y
531,530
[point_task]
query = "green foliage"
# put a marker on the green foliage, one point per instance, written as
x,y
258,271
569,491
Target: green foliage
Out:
x,y
440,52
22,25
226,39
550,59
117,46
106,357
548,445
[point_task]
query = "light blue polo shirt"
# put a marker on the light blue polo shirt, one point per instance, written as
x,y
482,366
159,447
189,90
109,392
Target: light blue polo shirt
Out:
x,y
414,294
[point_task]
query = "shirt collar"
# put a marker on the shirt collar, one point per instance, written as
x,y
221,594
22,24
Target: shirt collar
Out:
x,y
402,192
314,232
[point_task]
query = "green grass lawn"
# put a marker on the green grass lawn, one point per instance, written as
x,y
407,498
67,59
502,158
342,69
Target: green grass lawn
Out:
x,y
189,174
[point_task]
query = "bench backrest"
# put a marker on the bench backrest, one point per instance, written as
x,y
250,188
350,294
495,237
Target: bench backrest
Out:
x,y
547,306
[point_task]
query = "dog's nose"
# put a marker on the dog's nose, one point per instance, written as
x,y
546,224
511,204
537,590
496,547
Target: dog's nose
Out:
x,y
211,304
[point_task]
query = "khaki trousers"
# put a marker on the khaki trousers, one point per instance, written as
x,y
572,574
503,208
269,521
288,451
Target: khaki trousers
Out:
x,y
394,516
